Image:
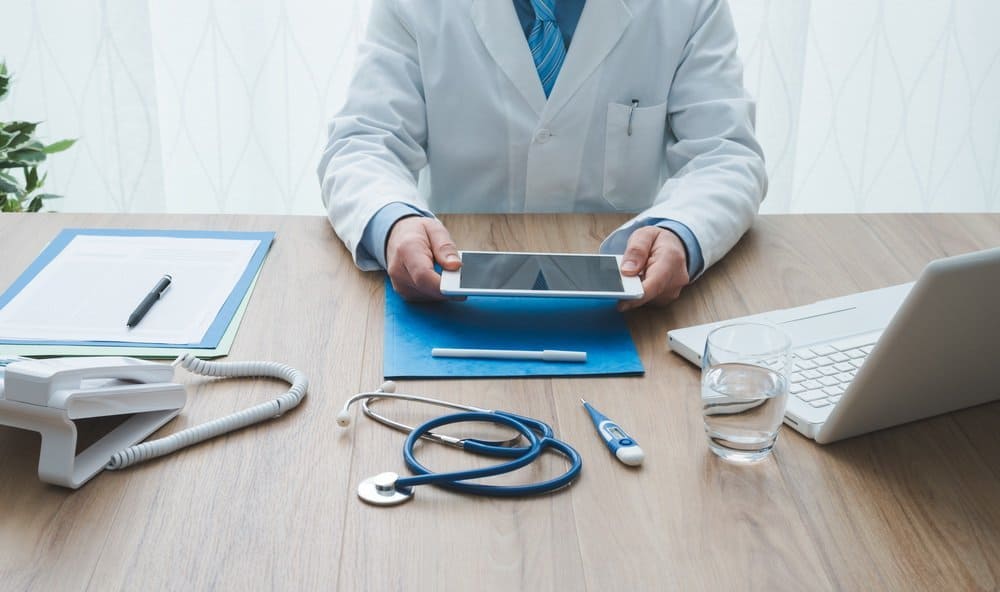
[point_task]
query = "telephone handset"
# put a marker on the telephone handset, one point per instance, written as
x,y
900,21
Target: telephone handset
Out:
x,y
47,395
93,387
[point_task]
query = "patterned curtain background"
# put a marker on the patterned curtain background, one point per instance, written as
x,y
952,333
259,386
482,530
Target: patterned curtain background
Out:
x,y
221,105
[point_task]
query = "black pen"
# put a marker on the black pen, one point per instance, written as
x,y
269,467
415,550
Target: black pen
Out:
x,y
147,302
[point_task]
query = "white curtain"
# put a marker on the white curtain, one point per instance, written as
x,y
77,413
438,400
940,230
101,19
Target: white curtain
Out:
x,y
221,105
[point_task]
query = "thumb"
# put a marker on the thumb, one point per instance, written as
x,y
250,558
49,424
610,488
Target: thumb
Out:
x,y
637,250
444,249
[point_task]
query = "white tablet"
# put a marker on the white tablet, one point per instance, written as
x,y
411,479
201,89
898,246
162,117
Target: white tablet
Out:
x,y
540,274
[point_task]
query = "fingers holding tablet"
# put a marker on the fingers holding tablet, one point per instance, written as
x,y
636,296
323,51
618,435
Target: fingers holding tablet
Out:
x,y
658,257
414,245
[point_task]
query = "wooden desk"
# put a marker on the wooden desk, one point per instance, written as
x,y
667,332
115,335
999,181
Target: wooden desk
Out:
x,y
273,507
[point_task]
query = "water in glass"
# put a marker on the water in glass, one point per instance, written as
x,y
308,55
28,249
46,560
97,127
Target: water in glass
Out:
x,y
743,406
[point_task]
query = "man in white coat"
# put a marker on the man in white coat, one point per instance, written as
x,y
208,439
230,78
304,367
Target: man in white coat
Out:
x,y
545,106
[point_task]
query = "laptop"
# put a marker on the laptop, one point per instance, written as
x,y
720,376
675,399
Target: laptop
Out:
x,y
876,359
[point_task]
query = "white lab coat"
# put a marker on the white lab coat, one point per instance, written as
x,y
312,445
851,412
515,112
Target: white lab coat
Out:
x,y
446,90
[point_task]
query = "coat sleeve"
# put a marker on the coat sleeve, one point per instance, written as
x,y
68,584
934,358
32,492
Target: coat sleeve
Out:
x,y
717,176
376,143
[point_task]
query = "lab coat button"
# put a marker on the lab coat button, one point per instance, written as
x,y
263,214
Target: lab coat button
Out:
x,y
542,136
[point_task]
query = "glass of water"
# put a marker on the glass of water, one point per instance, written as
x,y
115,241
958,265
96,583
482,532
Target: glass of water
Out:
x,y
744,388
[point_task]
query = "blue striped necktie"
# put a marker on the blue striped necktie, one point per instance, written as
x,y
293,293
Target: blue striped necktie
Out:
x,y
546,43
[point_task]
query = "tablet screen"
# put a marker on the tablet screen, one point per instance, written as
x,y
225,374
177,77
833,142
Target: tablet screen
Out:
x,y
540,272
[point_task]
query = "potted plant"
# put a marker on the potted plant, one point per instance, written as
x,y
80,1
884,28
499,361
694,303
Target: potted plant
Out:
x,y
20,156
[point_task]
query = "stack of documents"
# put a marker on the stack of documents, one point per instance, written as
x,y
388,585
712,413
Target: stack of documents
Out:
x,y
75,298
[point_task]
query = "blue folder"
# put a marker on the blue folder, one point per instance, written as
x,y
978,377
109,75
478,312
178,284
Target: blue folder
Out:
x,y
590,325
218,327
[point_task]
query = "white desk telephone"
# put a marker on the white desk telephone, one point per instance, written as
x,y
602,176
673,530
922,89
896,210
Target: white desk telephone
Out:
x,y
46,396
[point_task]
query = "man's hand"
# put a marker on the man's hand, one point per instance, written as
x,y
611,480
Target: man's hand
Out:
x,y
414,244
657,256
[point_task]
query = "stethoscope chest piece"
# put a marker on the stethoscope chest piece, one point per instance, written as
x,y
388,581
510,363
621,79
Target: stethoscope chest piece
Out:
x,y
380,490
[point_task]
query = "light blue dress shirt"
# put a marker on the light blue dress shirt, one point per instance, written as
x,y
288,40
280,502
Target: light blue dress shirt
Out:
x,y
567,16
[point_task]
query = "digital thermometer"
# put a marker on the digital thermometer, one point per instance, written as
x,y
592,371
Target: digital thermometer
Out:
x,y
619,443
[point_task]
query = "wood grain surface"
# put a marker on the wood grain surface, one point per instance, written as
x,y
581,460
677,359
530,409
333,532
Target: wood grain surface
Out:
x,y
916,507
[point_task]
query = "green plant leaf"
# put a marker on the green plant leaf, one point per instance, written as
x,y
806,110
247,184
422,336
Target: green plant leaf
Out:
x,y
11,204
26,156
38,201
22,131
36,204
21,127
4,80
21,139
30,179
19,149
6,137
9,184
59,146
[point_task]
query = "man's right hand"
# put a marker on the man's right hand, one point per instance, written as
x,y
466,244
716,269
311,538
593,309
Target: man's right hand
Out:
x,y
415,243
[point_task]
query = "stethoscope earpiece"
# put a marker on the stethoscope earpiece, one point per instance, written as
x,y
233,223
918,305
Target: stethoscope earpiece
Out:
x,y
344,417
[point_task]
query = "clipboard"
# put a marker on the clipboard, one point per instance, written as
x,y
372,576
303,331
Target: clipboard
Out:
x,y
214,341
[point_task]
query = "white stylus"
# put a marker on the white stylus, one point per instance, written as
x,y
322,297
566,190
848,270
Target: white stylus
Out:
x,y
547,355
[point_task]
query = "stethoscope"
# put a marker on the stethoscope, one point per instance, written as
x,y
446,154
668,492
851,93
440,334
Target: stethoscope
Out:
x,y
389,488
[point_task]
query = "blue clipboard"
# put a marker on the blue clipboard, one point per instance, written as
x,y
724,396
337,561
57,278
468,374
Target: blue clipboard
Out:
x,y
590,325
215,331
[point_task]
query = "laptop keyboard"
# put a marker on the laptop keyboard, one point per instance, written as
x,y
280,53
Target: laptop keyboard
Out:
x,y
821,373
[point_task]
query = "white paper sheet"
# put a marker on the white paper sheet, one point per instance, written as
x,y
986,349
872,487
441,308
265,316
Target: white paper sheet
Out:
x,y
89,289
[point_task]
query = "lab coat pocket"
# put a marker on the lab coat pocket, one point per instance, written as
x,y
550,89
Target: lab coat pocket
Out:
x,y
633,155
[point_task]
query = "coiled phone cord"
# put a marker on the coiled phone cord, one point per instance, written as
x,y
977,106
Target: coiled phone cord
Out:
x,y
258,413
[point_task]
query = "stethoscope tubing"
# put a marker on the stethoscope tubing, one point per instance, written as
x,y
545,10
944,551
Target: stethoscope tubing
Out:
x,y
523,456
424,476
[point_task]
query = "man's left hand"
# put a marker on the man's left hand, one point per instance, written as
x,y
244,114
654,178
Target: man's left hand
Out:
x,y
658,257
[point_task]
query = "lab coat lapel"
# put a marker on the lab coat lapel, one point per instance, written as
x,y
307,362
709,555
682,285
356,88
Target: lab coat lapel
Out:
x,y
503,37
601,26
